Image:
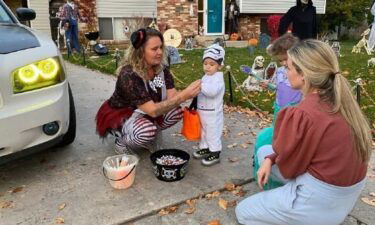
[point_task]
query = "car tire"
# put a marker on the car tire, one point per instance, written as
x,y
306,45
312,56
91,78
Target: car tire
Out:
x,y
69,136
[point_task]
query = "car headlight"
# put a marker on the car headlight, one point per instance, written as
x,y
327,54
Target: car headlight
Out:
x,y
37,75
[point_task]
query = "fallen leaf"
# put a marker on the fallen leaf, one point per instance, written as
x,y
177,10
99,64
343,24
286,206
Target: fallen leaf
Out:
x,y
241,134
191,204
168,210
190,210
208,196
62,206
369,201
17,189
244,146
229,186
212,195
6,204
215,193
59,220
239,193
223,204
214,222
233,159
345,73
232,145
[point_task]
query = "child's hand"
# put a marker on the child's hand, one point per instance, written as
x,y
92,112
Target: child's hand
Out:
x,y
264,84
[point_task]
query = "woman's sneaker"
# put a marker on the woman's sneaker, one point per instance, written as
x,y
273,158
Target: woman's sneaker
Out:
x,y
201,153
123,149
211,159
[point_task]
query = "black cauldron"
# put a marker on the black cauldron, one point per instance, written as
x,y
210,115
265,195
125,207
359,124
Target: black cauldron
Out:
x,y
170,173
92,36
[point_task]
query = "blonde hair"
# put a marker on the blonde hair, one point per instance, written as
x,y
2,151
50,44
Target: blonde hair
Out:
x,y
135,57
319,65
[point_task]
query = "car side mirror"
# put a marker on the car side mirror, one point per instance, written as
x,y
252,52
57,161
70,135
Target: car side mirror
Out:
x,y
25,14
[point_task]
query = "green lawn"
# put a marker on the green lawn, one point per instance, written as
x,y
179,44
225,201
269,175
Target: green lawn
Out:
x,y
352,65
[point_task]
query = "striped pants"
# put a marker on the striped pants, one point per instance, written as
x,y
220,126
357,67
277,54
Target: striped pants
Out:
x,y
141,131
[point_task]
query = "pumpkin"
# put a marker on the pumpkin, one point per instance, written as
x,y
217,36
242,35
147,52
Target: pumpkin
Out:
x,y
253,42
234,37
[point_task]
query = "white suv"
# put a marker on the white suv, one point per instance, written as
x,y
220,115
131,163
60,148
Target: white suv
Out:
x,y
36,103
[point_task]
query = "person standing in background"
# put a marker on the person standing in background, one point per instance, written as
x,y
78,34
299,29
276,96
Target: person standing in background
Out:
x,y
69,17
303,17
231,15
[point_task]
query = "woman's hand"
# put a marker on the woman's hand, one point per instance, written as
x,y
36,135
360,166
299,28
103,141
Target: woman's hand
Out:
x,y
192,90
264,172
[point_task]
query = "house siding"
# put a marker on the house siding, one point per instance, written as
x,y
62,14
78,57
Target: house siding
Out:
x,y
126,8
42,21
275,6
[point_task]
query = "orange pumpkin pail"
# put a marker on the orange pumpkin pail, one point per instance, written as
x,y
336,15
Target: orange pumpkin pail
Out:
x,y
253,41
191,124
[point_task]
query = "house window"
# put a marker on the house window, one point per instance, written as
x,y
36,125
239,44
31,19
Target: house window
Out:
x,y
200,12
105,28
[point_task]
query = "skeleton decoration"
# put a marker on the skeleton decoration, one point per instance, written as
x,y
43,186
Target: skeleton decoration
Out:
x,y
258,66
363,43
371,62
201,30
189,43
270,71
169,174
251,83
336,48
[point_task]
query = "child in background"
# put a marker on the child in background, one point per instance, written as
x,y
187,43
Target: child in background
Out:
x,y
210,106
285,94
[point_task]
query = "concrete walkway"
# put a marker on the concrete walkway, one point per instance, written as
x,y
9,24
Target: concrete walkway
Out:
x,y
67,184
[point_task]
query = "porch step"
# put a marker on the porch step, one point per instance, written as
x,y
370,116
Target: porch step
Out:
x,y
230,44
236,44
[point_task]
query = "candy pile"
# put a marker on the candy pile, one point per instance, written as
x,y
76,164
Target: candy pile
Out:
x,y
169,160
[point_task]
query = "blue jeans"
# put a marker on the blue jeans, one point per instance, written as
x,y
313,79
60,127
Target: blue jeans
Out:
x,y
72,40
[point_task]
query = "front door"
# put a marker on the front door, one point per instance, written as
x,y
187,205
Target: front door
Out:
x,y
214,20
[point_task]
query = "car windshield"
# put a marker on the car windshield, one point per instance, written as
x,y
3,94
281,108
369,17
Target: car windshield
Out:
x,y
4,16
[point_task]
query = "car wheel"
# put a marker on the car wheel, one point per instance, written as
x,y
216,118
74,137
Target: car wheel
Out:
x,y
69,137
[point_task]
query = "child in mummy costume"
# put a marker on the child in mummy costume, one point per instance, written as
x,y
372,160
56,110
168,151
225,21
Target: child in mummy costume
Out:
x,y
210,106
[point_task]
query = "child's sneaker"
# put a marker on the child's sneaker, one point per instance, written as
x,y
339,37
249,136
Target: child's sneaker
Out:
x,y
211,159
201,153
